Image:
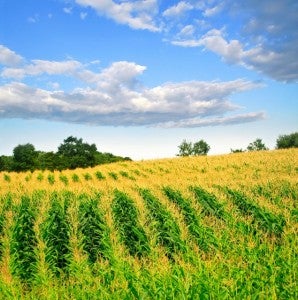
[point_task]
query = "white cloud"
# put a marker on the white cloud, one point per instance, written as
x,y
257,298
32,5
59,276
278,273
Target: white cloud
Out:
x,y
83,15
203,122
135,14
281,66
114,96
187,31
68,10
9,57
178,10
42,66
117,99
266,43
210,12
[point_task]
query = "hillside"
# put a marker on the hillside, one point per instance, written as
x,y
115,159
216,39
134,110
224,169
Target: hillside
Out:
x,y
184,228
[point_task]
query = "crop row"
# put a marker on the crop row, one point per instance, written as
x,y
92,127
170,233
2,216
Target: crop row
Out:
x,y
263,218
52,179
94,233
203,235
168,231
126,221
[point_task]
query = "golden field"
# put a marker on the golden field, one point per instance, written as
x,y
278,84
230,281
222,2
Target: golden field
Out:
x,y
232,231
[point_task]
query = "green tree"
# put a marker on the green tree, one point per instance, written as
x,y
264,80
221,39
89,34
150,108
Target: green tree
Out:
x,y
48,161
287,141
256,145
24,157
237,150
76,154
200,148
6,163
185,148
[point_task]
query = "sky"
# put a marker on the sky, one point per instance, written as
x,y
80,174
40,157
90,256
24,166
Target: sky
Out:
x,y
137,77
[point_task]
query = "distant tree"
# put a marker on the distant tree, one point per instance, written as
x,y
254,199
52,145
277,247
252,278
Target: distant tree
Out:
x,y
24,157
257,145
185,148
237,150
48,161
287,141
6,163
200,148
76,154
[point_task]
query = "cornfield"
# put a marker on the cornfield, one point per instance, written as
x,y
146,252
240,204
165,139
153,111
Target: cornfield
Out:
x,y
218,227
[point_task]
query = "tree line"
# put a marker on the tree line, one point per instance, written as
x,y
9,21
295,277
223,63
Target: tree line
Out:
x,y
72,153
187,148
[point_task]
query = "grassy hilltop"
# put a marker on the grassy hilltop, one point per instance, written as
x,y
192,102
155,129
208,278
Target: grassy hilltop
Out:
x,y
217,227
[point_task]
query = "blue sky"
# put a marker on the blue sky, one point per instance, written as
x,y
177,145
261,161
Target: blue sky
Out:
x,y
138,77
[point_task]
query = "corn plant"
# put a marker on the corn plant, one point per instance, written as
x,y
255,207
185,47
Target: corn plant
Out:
x,y
2,220
6,177
264,219
63,179
56,235
87,176
113,175
203,235
40,177
75,177
23,242
126,175
168,232
131,233
209,203
51,179
95,232
99,175
28,177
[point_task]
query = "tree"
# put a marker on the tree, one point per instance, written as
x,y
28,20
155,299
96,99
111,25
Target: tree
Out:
x,y
48,161
76,154
287,141
257,145
185,148
237,150
200,148
6,163
24,157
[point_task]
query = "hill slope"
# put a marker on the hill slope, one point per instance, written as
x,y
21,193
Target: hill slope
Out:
x,y
183,228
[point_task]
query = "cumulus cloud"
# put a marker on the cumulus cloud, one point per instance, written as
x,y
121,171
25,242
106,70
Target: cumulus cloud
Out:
x,y
267,42
259,35
282,66
9,57
114,96
173,104
136,14
178,9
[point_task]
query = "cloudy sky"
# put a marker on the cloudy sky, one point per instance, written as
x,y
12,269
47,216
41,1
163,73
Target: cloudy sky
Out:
x,y
137,77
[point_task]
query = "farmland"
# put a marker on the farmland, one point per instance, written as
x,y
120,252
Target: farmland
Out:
x,y
215,227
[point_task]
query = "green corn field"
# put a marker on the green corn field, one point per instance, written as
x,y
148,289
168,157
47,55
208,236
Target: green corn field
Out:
x,y
218,227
